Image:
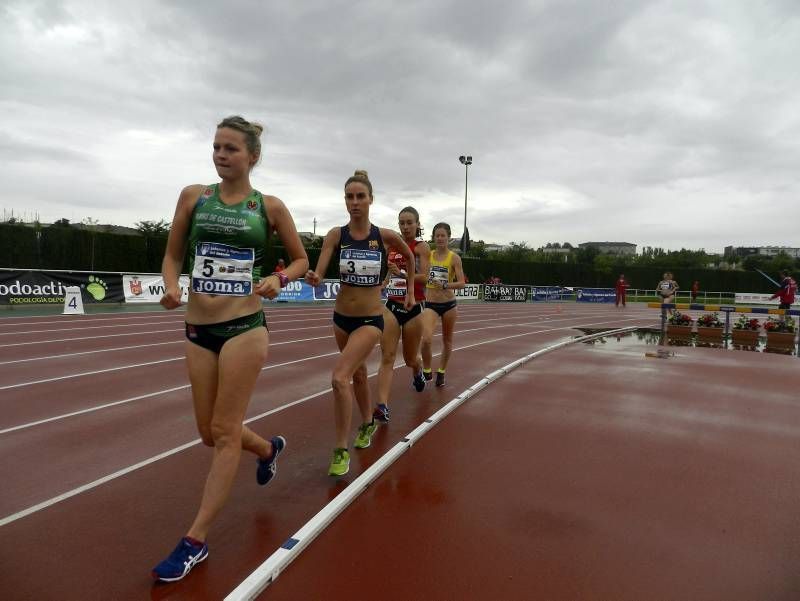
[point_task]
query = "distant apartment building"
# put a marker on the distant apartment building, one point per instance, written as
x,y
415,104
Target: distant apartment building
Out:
x,y
611,248
768,251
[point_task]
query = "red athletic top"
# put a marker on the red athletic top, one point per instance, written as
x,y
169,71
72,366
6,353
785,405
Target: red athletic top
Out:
x,y
397,285
621,285
787,291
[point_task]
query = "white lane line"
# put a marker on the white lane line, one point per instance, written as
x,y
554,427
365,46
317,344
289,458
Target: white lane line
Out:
x,y
90,373
135,346
271,568
146,364
95,317
493,327
140,397
132,325
71,493
95,483
97,337
2,346
168,390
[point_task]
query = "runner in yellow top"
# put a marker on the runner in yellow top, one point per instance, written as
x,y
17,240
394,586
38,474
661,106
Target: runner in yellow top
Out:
x,y
445,275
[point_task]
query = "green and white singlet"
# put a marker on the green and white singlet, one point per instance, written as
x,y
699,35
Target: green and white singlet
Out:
x,y
226,243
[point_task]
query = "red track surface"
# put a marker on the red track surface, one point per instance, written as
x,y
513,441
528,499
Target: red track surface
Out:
x,y
592,472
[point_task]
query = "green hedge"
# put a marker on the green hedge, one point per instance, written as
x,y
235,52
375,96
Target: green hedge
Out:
x,y
18,246
71,248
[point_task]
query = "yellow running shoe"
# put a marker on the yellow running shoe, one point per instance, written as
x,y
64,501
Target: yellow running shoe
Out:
x,y
340,464
364,436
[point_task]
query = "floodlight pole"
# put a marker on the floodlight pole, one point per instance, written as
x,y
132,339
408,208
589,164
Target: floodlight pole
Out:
x,y
466,161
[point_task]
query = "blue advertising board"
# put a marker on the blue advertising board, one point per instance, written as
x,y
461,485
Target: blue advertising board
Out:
x,y
550,293
595,295
295,292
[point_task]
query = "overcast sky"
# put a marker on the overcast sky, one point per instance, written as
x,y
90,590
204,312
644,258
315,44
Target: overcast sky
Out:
x,y
662,123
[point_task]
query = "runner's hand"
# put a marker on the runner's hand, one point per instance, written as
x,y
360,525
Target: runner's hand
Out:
x,y
312,278
171,298
409,302
269,287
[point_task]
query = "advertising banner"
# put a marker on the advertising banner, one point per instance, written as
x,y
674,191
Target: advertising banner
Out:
x,y
747,298
469,292
327,290
149,288
20,287
295,292
595,295
506,293
550,293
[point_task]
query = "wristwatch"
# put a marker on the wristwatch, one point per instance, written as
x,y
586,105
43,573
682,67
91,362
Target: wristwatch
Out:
x,y
282,277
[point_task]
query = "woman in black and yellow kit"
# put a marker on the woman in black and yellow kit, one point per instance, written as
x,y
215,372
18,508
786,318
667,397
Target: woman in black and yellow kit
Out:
x,y
361,249
445,275
225,228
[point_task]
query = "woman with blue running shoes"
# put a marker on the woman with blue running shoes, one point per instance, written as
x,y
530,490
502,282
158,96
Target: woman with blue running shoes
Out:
x,y
225,228
399,322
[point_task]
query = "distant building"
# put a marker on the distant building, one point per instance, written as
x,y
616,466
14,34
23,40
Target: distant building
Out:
x,y
611,248
768,251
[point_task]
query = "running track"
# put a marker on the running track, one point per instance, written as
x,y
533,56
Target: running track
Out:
x,y
103,469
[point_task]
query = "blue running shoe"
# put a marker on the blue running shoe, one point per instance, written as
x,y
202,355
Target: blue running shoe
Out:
x,y
268,467
419,382
181,561
381,414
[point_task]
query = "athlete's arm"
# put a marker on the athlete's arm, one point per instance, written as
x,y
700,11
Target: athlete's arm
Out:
x,y
423,251
280,218
332,238
176,245
460,282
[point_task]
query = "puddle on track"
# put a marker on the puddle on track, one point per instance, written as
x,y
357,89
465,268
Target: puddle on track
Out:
x,y
653,337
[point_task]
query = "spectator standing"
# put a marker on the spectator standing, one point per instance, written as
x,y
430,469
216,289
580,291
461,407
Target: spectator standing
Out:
x,y
620,287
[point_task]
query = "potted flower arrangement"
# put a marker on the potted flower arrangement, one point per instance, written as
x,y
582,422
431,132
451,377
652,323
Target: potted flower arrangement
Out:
x,y
780,333
679,326
710,328
745,331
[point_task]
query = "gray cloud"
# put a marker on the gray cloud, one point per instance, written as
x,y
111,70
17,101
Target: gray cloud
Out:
x,y
660,123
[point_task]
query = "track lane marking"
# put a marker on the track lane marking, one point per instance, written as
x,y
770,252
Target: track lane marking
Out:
x,y
170,359
95,483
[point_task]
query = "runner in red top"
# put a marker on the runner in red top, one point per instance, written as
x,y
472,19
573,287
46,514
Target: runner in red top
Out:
x,y
695,290
396,318
621,286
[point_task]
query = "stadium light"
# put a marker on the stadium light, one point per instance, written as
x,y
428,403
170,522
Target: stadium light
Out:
x,y
466,161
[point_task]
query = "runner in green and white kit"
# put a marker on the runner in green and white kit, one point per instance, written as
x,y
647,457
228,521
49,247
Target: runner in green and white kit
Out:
x,y
225,227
